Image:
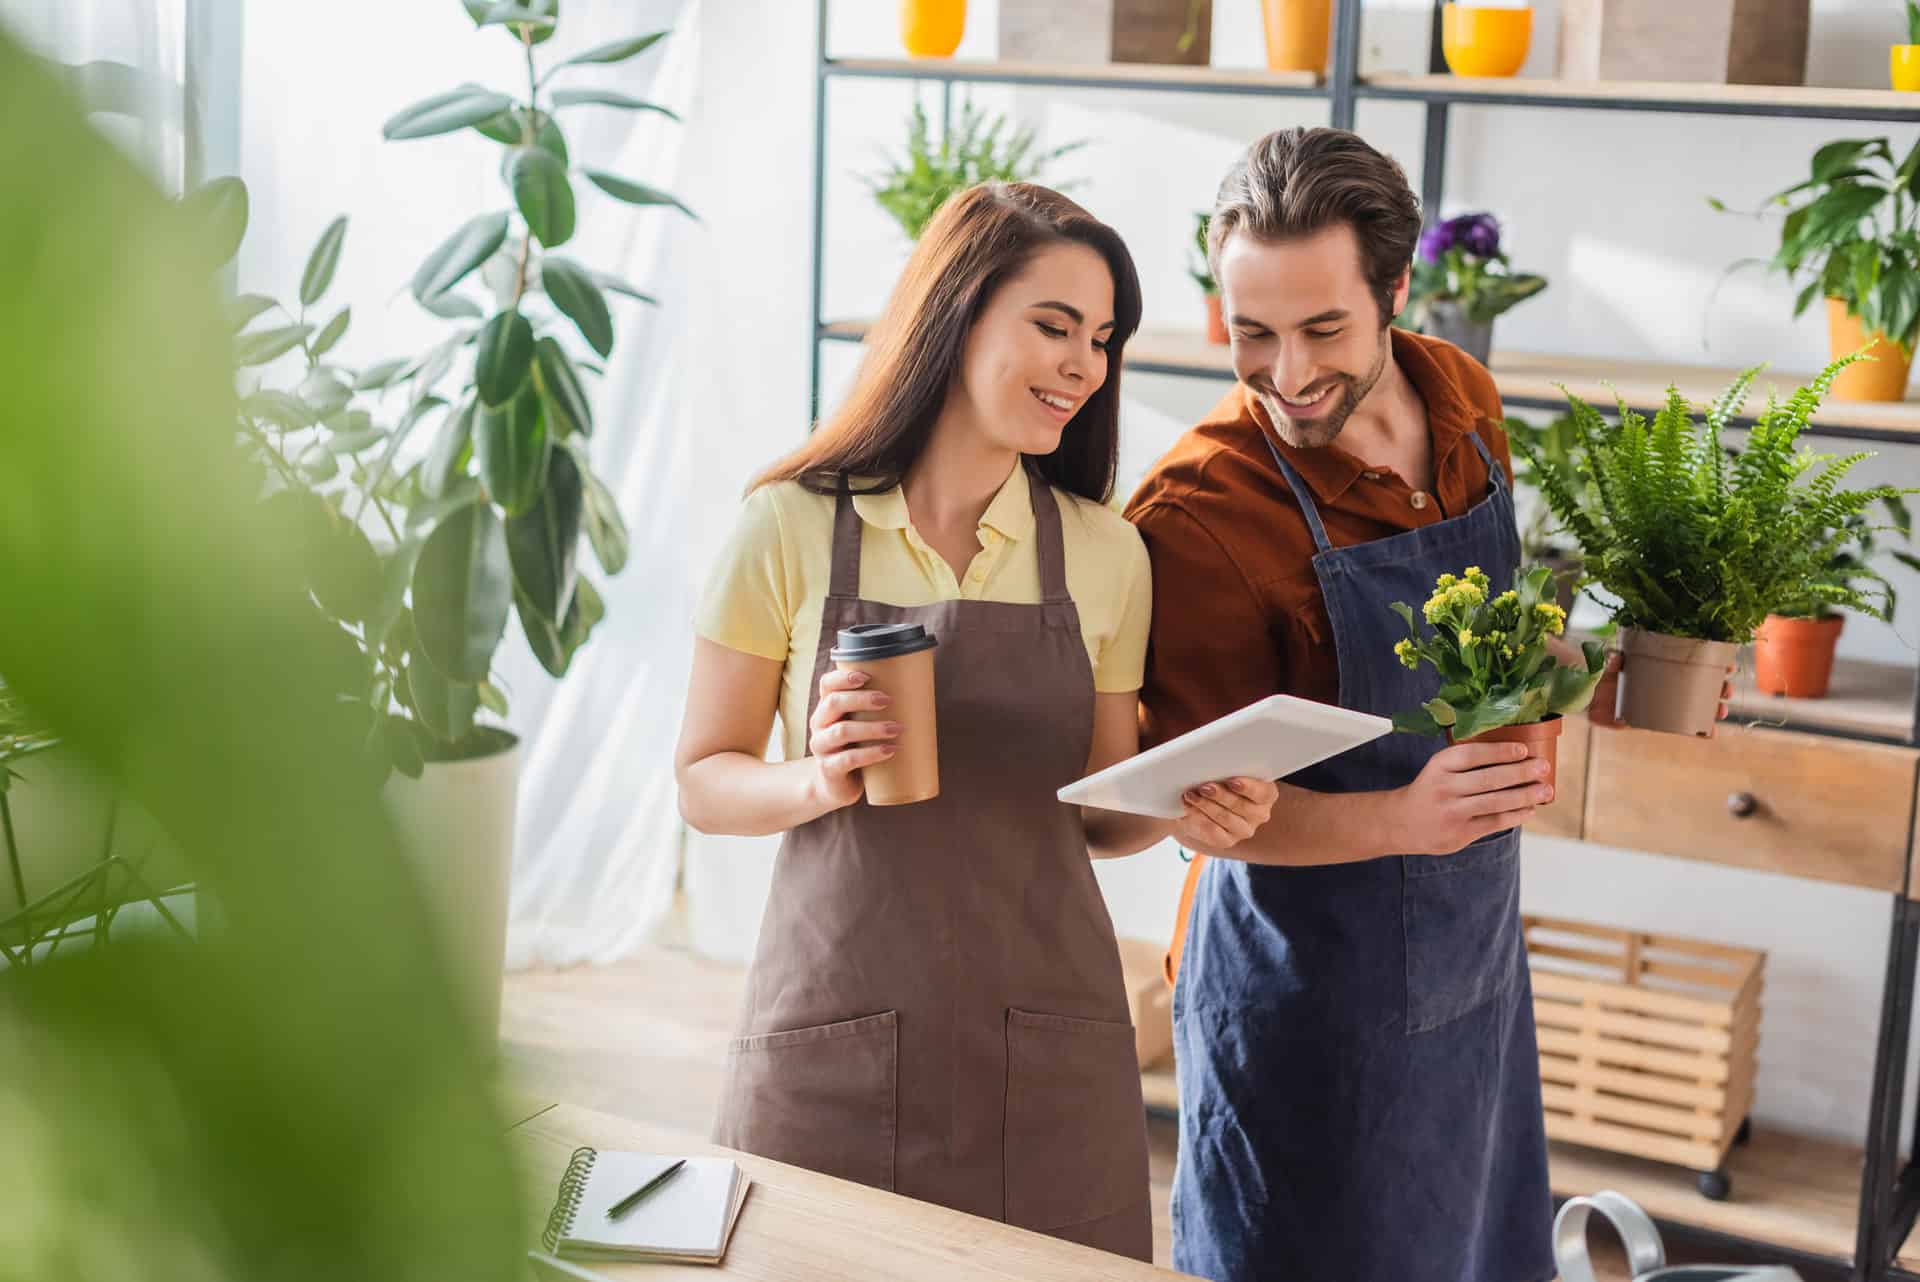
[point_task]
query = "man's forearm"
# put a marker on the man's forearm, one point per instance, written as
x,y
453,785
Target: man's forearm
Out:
x,y
1314,828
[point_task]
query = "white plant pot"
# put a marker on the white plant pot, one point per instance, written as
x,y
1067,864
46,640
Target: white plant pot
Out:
x,y
455,823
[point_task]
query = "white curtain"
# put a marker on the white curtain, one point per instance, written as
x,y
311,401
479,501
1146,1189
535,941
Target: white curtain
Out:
x,y
597,846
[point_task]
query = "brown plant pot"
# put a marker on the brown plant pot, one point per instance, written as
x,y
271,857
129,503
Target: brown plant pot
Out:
x,y
1216,322
1794,657
1672,684
1542,739
1884,378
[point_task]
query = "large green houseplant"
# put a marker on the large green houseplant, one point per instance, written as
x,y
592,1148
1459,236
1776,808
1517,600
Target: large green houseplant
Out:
x,y
1851,235
1697,548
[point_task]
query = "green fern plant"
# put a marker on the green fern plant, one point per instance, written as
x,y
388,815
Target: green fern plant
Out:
x,y
1693,542
978,149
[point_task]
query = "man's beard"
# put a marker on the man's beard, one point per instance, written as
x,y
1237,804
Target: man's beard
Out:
x,y
1311,434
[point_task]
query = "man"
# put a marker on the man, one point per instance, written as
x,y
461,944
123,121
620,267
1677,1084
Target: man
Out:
x,y
1359,1082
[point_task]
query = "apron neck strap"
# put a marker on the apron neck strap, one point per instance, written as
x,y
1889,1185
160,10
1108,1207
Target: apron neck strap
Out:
x,y
1496,476
1049,542
846,544
1302,494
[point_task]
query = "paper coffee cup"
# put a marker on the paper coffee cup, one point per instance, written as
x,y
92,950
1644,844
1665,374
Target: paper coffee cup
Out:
x,y
897,658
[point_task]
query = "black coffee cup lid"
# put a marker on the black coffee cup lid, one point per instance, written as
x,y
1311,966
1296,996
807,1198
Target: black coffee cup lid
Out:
x,y
867,642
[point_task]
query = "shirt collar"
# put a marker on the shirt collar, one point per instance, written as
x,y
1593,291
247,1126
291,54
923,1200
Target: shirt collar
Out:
x,y
1330,471
1010,512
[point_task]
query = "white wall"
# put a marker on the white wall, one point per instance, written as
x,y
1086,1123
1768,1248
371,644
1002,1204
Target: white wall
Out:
x,y
1612,208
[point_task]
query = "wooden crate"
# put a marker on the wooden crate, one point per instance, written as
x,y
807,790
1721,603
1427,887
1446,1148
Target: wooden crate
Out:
x,y
1647,1042
1744,42
1104,31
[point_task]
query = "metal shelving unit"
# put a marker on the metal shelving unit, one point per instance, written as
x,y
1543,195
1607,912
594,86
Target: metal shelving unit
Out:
x,y
1885,1212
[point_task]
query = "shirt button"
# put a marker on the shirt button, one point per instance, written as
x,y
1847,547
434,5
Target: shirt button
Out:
x,y
1371,476
1419,500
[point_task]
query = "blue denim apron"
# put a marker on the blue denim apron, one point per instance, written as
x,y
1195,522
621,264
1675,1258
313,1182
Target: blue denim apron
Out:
x,y
1359,1081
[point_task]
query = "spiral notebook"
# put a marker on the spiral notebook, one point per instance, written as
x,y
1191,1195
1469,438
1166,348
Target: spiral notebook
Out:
x,y
689,1219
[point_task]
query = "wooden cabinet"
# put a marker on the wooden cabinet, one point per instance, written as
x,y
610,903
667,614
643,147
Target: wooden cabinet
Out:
x,y
1772,800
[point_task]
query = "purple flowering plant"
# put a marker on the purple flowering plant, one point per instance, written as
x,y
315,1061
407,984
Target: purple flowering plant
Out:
x,y
1460,261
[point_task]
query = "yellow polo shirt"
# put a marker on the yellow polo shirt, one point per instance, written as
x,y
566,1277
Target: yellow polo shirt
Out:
x,y
768,586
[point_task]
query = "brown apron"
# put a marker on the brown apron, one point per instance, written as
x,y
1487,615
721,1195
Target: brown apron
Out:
x,y
936,1005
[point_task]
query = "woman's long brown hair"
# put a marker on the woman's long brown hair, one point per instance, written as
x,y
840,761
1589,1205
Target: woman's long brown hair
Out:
x,y
980,239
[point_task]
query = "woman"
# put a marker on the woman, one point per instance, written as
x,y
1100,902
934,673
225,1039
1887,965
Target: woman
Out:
x,y
936,1006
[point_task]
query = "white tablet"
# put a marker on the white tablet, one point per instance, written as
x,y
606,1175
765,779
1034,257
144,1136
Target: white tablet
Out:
x,y
1270,739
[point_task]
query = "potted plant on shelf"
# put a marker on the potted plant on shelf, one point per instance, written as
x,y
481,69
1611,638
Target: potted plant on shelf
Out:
x,y
1793,651
1498,683
1903,61
1697,548
978,149
1202,275
1542,540
1462,281
1852,232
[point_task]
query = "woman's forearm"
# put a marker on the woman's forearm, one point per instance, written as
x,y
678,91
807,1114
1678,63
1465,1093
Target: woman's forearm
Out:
x,y
737,794
1113,834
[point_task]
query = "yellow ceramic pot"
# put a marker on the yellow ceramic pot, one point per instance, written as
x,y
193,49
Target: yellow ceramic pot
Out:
x,y
932,28
1903,67
1483,41
1884,378
1297,34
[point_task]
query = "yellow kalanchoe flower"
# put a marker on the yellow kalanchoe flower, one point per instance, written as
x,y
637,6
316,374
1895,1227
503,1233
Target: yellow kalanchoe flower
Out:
x,y
1509,597
1553,616
1466,636
1445,581
1404,652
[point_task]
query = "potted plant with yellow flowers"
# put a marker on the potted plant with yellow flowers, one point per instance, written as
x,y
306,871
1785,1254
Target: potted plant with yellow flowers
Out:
x,y
1498,682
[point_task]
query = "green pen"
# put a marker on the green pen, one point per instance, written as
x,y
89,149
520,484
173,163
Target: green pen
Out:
x,y
632,1199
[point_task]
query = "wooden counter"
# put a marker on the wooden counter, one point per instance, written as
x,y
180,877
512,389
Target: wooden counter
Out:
x,y
799,1225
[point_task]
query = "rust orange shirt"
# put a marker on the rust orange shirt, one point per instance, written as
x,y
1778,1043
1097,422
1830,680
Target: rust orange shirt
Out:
x,y
1237,612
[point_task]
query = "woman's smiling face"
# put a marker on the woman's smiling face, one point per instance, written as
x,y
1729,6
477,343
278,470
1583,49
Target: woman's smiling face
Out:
x,y
1038,349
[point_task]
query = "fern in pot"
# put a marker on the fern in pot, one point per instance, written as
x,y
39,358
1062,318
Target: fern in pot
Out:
x,y
1696,546
1793,651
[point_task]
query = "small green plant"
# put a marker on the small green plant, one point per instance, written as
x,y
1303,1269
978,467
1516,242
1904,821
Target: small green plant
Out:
x,y
1541,536
1198,267
1852,232
1692,542
913,187
1461,261
1491,654
1852,565
1913,23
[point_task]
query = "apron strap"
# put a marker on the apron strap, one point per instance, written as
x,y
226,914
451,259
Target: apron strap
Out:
x,y
1496,475
1302,494
846,545
1049,541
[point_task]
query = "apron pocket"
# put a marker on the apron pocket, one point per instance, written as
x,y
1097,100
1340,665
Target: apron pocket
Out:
x,y
820,1097
1075,1146
1461,915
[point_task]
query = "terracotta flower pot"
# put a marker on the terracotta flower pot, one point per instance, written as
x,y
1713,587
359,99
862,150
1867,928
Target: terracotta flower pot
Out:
x,y
1216,323
1297,34
1884,378
1903,67
1672,684
1794,657
1542,739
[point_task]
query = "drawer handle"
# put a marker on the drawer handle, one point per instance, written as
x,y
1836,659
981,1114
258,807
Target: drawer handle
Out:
x,y
1742,805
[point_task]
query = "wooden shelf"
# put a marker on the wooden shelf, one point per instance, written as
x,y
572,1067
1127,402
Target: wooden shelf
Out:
x,y
1112,75
1789,1191
1812,101
1870,699
1530,380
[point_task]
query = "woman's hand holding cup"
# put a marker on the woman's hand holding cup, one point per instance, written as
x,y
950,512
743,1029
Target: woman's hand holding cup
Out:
x,y
1221,815
840,745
